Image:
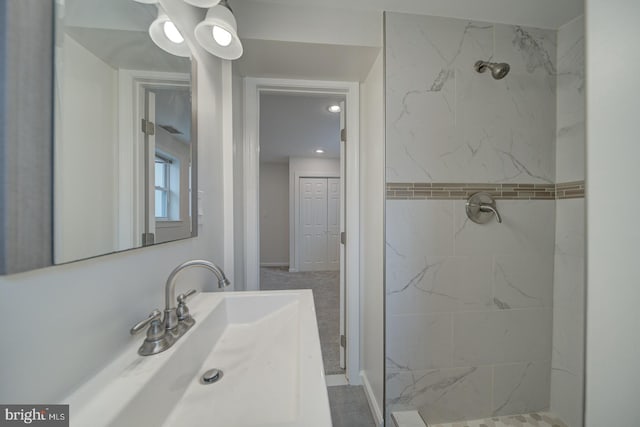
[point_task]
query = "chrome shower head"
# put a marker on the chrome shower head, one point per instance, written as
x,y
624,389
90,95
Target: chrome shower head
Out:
x,y
498,69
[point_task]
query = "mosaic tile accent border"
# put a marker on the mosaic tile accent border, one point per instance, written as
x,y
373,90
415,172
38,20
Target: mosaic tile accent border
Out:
x,y
570,190
462,191
538,419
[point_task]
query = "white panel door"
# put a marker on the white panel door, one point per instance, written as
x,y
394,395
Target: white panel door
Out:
x,y
313,221
333,224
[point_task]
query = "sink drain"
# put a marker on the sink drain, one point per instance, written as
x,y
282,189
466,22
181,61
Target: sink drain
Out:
x,y
212,376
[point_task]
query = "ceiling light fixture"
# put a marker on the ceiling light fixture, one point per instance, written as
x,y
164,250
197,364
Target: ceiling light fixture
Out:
x,y
167,37
334,109
218,35
319,151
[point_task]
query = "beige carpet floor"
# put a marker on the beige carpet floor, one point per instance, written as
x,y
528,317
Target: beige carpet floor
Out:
x,y
326,295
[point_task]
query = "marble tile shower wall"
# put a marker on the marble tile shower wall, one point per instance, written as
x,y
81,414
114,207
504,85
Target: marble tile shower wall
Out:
x,y
469,307
569,283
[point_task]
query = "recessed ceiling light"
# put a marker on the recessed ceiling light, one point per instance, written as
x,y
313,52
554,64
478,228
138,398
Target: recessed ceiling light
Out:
x,y
319,151
334,109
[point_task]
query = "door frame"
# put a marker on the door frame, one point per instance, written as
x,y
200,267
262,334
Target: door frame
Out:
x,y
253,87
131,106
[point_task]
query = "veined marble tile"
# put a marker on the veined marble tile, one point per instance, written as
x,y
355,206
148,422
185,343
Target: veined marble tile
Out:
x,y
570,227
418,342
507,125
569,284
521,388
526,229
568,315
569,288
492,282
523,281
418,284
567,396
448,123
423,228
570,140
498,337
439,393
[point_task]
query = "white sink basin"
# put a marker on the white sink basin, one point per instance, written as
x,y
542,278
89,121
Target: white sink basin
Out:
x,y
267,345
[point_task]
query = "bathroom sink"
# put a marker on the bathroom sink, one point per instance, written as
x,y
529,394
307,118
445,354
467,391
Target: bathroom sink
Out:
x,y
265,343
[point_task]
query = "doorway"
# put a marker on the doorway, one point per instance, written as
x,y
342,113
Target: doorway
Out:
x,y
301,208
254,88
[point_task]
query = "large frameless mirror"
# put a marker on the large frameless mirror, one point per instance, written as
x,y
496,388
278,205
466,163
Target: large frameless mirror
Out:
x,y
124,145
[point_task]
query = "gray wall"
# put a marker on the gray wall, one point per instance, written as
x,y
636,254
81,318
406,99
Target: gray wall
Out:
x,y
26,79
613,253
274,214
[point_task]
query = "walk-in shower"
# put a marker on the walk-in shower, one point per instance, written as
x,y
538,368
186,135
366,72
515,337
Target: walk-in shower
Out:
x,y
484,320
498,69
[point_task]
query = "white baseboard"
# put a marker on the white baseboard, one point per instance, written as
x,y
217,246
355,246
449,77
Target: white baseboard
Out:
x,y
374,405
274,264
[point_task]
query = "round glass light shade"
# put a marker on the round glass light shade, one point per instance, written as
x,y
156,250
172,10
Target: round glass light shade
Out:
x,y
217,34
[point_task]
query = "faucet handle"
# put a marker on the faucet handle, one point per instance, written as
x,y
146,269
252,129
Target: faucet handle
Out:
x,y
183,311
154,315
182,298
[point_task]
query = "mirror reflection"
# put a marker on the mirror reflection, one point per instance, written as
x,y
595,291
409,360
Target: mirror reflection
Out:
x,y
123,132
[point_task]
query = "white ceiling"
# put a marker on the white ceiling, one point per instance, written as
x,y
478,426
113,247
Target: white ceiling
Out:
x,y
340,39
112,14
550,14
270,58
296,125
129,50
116,31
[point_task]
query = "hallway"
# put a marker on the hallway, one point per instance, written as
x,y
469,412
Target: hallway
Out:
x,y
349,407
326,296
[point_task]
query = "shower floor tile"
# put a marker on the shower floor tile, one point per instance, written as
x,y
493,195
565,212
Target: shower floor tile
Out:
x,y
538,419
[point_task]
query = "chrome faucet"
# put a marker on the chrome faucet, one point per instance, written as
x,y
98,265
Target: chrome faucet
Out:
x,y
164,332
171,320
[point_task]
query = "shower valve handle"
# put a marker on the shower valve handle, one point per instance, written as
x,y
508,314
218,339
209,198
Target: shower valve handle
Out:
x,y
485,207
